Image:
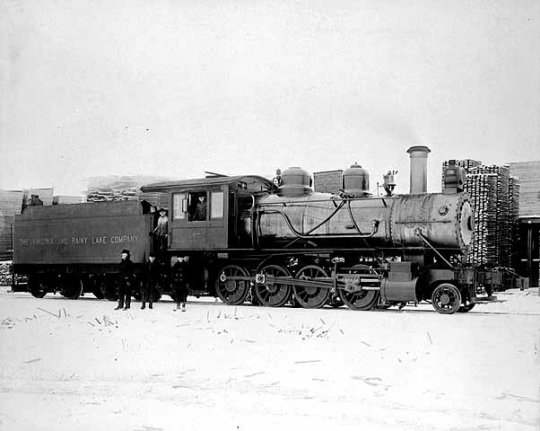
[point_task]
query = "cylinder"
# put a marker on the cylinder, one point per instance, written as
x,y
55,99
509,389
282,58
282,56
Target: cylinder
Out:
x,y
399,291
418,176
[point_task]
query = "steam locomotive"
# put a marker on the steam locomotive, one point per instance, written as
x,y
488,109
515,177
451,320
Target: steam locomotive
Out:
x,y
271,242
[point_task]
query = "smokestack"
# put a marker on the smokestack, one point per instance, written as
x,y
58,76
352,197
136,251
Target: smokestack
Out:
x,y
418,156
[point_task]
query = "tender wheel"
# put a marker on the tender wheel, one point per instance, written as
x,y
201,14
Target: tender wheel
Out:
x,y
273,294
311,297
93,285
107,286
363,299
446,298
71,287
230,289
36,286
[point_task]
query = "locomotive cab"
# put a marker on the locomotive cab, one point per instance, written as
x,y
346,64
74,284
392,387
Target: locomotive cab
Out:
x,y
211,214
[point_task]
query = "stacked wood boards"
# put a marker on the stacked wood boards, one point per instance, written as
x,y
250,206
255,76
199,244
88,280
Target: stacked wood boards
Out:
x,y
528,174
68,200
11,203
328,181
119,188
504,220
494,195
482,190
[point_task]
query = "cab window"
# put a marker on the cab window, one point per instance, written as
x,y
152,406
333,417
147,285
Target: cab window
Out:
x,y
216,205
198,206
179,211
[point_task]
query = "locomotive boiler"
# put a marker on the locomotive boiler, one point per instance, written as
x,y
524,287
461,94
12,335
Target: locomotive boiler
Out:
x,y
390,221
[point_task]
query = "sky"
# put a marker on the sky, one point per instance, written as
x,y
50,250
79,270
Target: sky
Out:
x,y
176,88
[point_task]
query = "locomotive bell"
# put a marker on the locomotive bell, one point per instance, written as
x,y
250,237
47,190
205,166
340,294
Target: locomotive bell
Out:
x,y
295,181
356,181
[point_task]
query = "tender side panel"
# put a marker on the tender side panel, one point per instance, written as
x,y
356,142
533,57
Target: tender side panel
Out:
x,y
87,236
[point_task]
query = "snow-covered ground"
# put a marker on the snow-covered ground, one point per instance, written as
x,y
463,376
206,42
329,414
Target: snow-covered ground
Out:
x,y
79,365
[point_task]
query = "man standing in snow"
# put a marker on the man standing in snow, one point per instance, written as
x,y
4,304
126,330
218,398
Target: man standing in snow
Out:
x,y
180,279
150,285
126,272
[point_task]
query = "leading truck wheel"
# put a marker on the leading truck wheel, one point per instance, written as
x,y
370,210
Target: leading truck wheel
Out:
x,y
232,286
446,298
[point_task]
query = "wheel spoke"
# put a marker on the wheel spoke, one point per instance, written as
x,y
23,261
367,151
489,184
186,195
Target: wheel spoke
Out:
x,y
273,294
362,299
311,297
446,298
229,290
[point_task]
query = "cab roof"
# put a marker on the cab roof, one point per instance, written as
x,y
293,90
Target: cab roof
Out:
x,y
253,183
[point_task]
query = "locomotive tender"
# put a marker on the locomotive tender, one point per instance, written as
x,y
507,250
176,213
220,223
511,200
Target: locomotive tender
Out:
x,y
271,242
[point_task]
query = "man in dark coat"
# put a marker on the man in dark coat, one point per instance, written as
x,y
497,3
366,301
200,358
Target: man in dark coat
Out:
x,y
180,280
151,282
126,272
200,210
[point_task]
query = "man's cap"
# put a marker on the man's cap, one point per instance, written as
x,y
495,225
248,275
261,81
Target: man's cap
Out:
x,y
125,251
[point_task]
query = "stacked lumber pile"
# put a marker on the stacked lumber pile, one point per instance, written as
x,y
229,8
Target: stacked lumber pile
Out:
x,y
494,196
68,200
5,276
529,180
119,188
11,203
482,189
503,216
328,181
514,197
